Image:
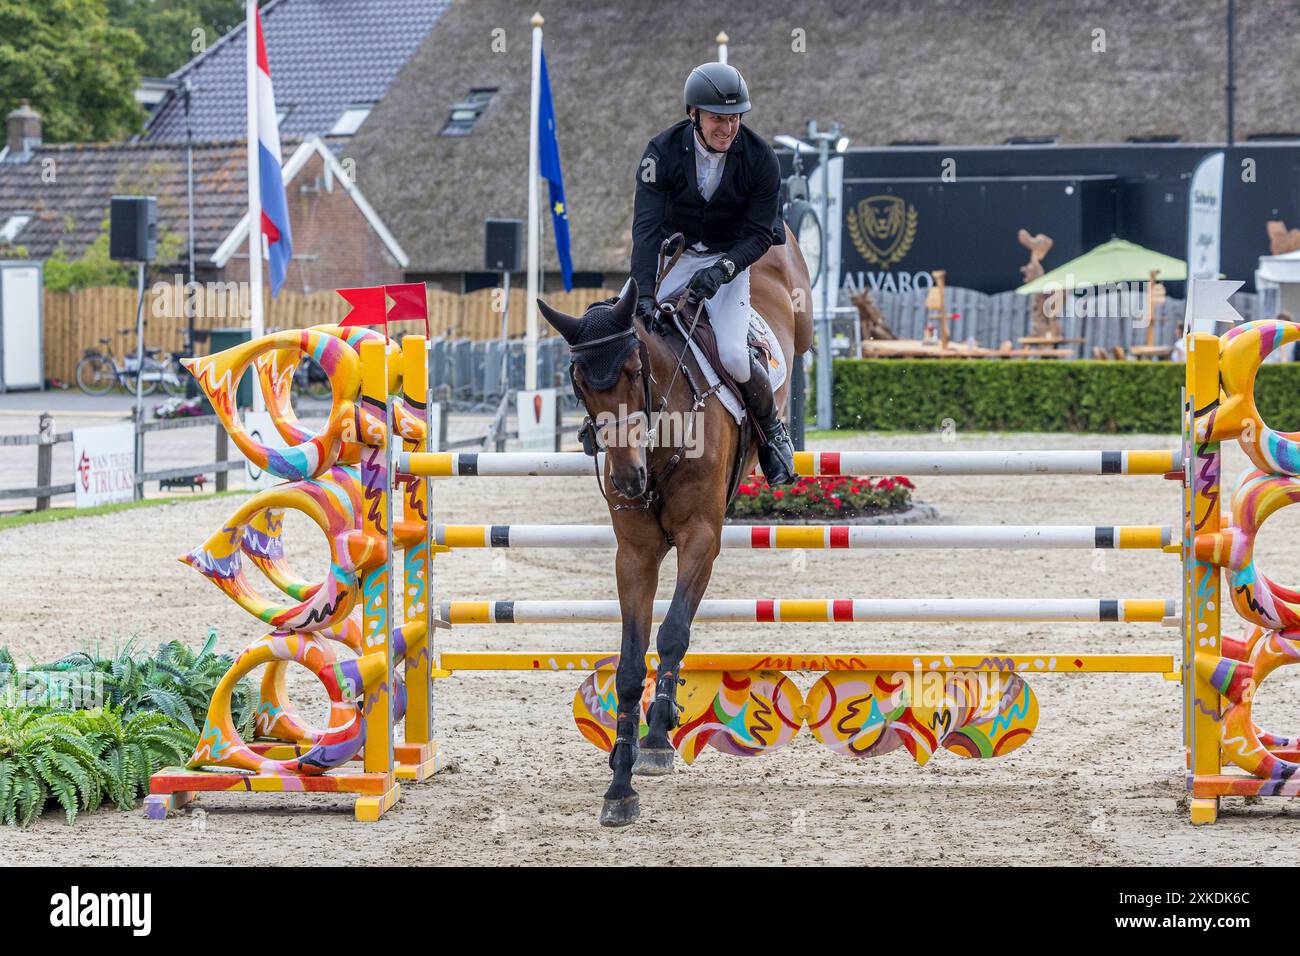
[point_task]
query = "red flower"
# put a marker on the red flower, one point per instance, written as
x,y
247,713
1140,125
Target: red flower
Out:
x,y
778,494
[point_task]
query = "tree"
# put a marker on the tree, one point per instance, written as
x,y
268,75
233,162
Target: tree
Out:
x,y
175,30
72,65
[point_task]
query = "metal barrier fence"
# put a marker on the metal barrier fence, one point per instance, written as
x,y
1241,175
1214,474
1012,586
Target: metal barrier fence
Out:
x,y
479,373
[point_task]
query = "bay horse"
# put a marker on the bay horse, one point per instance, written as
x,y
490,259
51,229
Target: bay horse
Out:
x,y
660,498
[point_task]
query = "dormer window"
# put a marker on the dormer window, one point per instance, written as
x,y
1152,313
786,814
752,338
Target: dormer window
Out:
x,y
351,119
13,225
467,111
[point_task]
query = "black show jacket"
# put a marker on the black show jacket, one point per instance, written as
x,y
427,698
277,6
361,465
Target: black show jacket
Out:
x,y
741,219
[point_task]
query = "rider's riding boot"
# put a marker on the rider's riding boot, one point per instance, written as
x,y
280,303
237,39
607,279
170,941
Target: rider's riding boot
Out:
x,y
776,453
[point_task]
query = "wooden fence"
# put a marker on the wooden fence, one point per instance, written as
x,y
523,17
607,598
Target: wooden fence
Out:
x,y
76,321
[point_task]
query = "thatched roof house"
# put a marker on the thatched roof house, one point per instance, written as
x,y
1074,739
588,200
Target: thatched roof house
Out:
x,y
893,71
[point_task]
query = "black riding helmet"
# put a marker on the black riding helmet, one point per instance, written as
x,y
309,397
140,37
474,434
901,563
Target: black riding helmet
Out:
x,y
718,88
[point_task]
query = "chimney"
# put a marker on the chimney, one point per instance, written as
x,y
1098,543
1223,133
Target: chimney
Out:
x,y
23,126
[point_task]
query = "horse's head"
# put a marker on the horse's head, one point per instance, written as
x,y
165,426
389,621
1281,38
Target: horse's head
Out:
x,y
609,366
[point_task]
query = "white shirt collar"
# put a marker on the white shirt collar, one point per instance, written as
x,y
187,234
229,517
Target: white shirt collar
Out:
x,y
701,153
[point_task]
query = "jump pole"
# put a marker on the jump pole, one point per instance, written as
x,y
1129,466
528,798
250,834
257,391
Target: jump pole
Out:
x,y
828,537
818,661
860,463
827,611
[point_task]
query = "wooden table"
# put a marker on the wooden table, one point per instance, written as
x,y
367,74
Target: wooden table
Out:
x,y
1152,352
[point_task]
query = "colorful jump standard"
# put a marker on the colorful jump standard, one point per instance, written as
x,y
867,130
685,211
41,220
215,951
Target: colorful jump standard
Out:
x,y
353,507
1221,675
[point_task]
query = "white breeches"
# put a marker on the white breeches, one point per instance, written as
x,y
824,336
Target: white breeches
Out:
x,y
729,309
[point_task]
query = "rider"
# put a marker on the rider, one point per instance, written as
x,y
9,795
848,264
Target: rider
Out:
x,y
716,182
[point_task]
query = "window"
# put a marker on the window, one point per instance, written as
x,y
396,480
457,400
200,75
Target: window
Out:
x,y
913,142
351,119
1155,138
13,225
1272,137
464,113
1031,140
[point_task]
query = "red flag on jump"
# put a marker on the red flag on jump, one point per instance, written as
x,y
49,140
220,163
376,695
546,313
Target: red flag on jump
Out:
x,y
368,307
409,302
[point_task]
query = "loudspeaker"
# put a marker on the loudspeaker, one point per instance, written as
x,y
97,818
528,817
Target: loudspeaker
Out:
x,y
504,245
133,228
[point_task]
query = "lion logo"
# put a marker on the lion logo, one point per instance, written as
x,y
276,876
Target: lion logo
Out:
x,y
883,229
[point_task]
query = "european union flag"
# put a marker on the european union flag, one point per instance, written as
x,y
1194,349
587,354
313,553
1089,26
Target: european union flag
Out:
x,y
548,160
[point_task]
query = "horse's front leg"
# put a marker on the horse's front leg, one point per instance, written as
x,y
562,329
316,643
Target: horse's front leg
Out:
x,y
637,570
698,543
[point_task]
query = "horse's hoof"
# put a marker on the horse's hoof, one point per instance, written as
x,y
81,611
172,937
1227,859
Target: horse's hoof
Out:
x,y
620,812
653,763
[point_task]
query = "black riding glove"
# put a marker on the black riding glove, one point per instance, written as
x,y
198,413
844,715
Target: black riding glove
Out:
x,y
645,306
707,281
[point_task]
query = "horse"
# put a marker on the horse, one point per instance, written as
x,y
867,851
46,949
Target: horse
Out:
x,y
660,497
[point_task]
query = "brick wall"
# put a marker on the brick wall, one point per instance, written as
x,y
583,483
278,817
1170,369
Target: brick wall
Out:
x,y
334,247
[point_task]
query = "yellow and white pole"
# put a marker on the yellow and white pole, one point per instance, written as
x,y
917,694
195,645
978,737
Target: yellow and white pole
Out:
x,y
1202,581
376,586
416,572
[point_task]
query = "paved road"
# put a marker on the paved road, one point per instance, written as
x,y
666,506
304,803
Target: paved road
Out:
x,y
20,413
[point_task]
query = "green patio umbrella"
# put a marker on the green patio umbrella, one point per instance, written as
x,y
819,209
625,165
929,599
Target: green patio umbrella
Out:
x,y
1114,261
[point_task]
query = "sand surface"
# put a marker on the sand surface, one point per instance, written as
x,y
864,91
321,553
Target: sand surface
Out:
x,y
1100,782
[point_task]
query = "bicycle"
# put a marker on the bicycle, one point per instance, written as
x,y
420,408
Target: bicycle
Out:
x,y
99,370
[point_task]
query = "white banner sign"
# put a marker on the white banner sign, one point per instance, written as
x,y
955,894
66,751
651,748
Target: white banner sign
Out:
x,y
538,420
262,430
1204,218
103,462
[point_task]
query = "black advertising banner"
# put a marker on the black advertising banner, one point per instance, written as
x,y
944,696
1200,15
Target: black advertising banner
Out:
x,y
897,233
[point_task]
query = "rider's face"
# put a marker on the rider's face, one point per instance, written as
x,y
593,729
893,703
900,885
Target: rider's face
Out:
x,y
719,130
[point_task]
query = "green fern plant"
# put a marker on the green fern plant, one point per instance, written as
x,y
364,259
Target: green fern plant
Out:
x,y
46,756
131,749
78,758
176,681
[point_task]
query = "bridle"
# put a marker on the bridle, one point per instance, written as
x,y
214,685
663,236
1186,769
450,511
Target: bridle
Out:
x,y
650,495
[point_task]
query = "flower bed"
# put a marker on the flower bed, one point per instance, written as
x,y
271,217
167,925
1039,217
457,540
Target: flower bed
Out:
x,y
835,498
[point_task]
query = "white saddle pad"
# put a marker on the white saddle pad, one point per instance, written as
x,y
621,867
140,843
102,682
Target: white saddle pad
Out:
x,y
776,366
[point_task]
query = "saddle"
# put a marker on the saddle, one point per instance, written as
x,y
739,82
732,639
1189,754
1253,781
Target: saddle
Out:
x,y
690,318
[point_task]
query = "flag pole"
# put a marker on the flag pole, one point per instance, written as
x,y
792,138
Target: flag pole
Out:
x,y
254,191
534,217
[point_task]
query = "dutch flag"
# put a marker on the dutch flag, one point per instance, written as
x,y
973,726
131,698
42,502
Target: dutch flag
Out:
x,y
275,209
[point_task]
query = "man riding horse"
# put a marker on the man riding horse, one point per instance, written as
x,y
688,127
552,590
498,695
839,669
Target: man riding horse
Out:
x,y
718,184
713,181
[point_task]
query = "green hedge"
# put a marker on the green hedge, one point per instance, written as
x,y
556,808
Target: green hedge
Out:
x,y
1034,396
